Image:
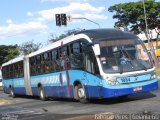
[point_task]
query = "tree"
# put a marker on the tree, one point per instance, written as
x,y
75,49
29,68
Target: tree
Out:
x,y
54,38
8,52
28,47
131,16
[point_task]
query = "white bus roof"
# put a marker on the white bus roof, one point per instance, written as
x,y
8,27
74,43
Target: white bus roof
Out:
x,y
13,61
58,43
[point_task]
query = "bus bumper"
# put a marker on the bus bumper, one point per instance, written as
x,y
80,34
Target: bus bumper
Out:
x,y
115,91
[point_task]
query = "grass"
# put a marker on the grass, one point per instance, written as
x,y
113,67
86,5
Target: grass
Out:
x,y
158,72
1,88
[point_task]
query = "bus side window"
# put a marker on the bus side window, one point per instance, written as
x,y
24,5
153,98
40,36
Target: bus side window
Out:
x,y
46,62
57,60
33,65
76,56
11,71
52,53
14,71
38,64
76,48
4,72
65,57
21,69
68,49
91,64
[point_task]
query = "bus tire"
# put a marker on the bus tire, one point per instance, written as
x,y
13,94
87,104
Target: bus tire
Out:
x,y
12,93
42,94
80,94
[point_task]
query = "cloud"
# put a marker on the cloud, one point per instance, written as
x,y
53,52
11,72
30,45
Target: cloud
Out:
x,y
9,21
74,9
64,0
24,29
29,13
40,19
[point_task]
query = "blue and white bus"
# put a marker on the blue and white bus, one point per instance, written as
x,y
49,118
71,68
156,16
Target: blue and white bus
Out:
x,y
98,63
0,77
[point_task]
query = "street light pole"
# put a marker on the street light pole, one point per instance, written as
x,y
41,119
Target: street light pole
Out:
x,y
88,20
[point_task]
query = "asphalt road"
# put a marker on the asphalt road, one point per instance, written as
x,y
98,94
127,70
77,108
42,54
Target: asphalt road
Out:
x,y
31,108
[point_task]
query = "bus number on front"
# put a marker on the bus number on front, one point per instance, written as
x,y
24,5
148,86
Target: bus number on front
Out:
x,y
125,80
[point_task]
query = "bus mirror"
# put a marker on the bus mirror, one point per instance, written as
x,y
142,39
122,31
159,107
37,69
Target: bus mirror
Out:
x,y
97,49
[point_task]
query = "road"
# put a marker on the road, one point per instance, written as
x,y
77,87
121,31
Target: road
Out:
x,y
31,108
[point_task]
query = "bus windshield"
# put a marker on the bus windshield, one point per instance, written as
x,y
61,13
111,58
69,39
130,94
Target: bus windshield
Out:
x,y
119,56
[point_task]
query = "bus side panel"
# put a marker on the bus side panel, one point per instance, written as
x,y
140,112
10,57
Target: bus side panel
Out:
x,y
6,85
19,87
54,86
91,83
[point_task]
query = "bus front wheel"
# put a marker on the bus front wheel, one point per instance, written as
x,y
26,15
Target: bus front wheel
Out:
x,y
41,94
80,94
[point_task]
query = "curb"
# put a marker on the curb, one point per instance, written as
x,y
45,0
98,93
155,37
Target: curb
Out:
x,y
5,102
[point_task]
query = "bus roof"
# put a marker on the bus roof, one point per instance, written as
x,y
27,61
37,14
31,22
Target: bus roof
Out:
x,y
20,58
107,34
91,35
49,47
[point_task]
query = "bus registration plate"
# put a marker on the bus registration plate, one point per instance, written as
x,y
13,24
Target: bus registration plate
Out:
x,y
137,89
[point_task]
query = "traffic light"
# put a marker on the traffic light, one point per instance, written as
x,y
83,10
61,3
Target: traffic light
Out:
x,y
63,19
58,19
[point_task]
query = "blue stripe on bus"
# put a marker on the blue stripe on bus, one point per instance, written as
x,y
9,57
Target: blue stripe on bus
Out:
x,y
20,90
106,93
137,78
55,91
94,86
131,85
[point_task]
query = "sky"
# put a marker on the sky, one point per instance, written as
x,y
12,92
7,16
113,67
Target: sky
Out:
x,y
26,20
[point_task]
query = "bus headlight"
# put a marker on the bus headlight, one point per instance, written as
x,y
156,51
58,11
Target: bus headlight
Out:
x,y
153,76
112,82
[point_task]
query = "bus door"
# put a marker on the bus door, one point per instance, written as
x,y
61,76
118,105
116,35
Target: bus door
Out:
x,y
27,76
92,69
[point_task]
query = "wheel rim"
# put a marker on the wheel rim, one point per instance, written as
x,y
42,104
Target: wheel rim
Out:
x,y
81,93
41,94
12,93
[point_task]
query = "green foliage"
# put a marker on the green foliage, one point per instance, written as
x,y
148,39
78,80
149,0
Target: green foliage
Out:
x,y
131,15
67,33
8,52
28,47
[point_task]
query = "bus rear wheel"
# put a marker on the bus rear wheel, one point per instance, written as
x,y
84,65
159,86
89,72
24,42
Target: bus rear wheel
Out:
x,y
80,94
41,94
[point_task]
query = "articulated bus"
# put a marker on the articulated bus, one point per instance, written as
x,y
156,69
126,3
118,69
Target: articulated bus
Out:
x,y
98,63
0,78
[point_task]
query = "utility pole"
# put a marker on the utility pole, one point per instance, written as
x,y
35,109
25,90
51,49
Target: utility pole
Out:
x,y
147,35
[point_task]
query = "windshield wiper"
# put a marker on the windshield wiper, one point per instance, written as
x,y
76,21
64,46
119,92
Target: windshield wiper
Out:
x,y
144,67
120,69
